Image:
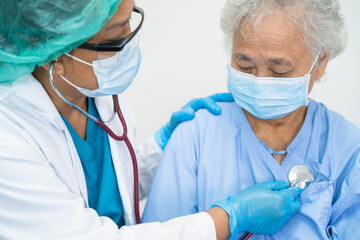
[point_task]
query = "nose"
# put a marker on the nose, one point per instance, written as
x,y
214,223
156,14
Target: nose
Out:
x,y
261,72
127,30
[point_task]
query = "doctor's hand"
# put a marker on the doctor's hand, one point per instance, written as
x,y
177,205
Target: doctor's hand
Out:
x,y
261,209
187,113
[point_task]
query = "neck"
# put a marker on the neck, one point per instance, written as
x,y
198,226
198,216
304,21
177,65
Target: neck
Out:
x,y
280,132
75,118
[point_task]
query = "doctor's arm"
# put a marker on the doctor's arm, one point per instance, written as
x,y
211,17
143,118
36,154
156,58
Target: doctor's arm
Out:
x,y
36,204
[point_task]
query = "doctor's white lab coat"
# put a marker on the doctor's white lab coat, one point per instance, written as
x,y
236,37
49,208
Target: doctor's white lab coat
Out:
x,y
42,185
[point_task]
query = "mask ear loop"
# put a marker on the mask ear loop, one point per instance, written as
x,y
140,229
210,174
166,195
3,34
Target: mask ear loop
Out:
x,y
309,73
316,58
89,116
78,59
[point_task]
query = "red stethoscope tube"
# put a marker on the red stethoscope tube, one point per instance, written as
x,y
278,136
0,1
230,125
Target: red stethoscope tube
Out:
x,y
124,138
247,236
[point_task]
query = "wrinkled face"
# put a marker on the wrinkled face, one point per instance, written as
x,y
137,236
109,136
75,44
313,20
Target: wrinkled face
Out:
x,y
276,49
81,74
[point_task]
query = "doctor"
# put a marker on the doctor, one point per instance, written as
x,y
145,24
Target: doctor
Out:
x,y
64,173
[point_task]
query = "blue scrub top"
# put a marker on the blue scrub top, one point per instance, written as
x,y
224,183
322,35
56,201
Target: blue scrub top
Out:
x,y
212,157
101,182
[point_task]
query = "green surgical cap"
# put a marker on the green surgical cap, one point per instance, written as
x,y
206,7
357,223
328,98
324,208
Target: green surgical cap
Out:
x,y
34,32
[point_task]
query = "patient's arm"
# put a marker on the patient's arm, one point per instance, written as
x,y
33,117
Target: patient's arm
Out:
x,y
173,193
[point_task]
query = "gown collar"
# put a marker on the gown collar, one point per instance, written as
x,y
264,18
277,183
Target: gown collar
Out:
x,y
300,137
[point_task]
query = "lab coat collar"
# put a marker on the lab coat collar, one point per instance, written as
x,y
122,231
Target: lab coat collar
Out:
x,y
32,92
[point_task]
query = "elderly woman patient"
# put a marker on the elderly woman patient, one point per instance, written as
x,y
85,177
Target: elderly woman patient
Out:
x,y
280,48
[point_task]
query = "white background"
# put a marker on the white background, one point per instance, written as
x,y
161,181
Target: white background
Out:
x,y
184,58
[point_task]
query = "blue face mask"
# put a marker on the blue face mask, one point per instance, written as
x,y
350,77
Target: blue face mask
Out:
x,y
268,97
114,74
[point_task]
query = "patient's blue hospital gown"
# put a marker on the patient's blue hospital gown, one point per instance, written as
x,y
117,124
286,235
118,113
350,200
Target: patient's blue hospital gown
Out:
x,y
212,157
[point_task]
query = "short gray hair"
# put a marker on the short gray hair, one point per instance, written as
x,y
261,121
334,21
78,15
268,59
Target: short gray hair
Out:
x,y
321,21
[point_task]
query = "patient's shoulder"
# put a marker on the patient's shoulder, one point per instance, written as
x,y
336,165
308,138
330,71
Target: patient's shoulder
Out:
x,y
334,125
207,125
229,111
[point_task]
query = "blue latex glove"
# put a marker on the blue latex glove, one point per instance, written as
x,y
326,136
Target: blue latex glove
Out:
x,y
187,113
262,208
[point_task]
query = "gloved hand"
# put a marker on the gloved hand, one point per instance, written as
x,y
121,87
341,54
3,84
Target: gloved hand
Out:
x,y
262,208
187,113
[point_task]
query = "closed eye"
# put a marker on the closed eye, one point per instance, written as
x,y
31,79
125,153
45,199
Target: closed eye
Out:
x,y
283,74
246,69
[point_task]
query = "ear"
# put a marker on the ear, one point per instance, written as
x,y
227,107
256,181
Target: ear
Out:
x,y
321,66
58,67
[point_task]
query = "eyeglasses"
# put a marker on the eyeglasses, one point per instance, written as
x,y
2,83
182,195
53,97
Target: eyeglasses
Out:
x,y
118,45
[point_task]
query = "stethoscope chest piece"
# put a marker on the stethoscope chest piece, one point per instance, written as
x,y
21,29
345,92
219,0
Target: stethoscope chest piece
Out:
x,y
300,176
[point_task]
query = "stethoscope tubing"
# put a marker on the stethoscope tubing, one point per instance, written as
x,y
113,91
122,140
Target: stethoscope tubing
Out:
x,y
123,137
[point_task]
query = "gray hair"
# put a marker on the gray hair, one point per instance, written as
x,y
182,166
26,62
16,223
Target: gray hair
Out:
x,y
321,21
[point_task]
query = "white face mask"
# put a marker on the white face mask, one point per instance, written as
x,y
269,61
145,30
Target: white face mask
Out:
x,y
114,74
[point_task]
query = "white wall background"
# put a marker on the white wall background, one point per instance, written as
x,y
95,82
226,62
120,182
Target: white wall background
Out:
x,y
184,57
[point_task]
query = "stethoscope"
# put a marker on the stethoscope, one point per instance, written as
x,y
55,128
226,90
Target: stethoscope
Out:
x,y
103,125
299,176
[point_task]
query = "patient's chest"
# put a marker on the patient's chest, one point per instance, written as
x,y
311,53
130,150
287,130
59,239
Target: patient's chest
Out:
x,y
220,176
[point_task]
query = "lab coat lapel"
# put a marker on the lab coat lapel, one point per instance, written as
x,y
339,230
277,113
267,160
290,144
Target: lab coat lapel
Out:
x,y
79,171
121,158
32,92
